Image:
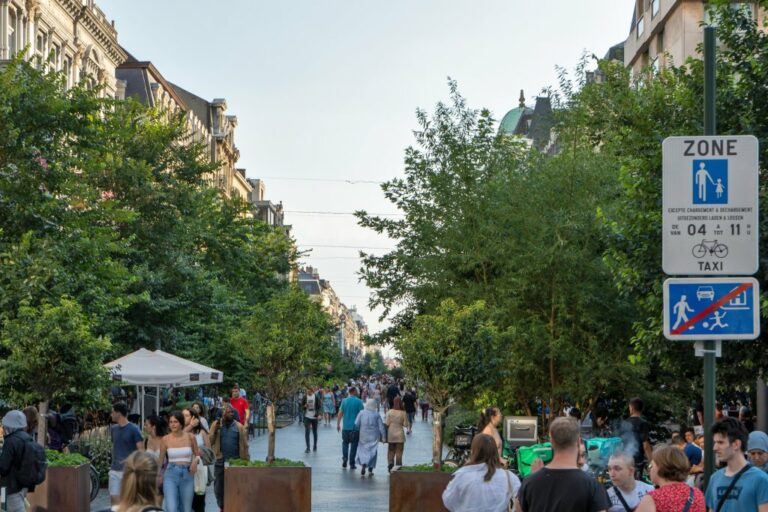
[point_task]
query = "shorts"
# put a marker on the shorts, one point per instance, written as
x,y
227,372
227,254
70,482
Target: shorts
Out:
x,y
115,479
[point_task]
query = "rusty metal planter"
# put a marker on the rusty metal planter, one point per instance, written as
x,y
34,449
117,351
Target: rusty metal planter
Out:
x,y
66,489
413,490
267,489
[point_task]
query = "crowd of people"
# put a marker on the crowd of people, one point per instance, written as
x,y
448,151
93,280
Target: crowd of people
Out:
x,y
357,407
170,464
566,483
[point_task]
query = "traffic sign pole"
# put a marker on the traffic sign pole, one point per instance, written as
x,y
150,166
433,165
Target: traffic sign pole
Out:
x,y
709,345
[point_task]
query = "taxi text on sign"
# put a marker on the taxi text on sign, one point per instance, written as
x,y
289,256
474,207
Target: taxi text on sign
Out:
x,y
710,216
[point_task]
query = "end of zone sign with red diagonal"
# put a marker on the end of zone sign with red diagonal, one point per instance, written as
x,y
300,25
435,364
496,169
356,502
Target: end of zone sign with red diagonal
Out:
x,y
723,308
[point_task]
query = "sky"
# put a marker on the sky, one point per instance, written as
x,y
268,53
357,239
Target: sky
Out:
x,y
325,91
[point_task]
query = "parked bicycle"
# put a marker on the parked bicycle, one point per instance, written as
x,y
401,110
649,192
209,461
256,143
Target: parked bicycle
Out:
x,y
462,442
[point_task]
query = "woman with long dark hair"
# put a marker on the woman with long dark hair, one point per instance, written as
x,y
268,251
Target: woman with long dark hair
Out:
x,y
180,449
481,484
489,422
396,420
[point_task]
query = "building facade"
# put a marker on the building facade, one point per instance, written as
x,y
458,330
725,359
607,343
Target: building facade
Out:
x,y
265,210
350,326
531,124
667,32
71,36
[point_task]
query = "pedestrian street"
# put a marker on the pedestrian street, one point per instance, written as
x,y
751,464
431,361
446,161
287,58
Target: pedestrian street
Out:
x,y
333,488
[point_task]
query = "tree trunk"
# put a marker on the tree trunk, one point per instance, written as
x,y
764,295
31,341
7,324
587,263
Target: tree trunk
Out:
x,y
42,424
437,438
271,430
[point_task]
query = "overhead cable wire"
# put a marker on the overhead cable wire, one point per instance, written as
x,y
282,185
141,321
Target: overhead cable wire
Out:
x,y
317,212
328,180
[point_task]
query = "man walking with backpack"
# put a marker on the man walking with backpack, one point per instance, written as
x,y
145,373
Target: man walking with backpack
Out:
x,y
22,462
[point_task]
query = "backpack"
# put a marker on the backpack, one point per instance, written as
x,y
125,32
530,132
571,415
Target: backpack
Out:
x,y
32,465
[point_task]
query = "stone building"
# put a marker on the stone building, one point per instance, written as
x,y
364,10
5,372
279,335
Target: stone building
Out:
x,y
667,32
532,124
266,210
223,150
72,36
351,328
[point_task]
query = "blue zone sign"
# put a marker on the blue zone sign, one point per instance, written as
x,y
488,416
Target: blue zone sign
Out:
x,y
724,308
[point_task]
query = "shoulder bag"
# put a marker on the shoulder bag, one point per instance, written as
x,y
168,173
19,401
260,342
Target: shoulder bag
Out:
x,y
727,492
689,501
622,500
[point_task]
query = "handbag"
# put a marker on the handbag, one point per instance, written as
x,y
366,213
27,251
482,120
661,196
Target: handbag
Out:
x,y
727,492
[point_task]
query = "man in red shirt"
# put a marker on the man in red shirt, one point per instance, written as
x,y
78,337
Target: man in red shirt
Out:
x,y
240,404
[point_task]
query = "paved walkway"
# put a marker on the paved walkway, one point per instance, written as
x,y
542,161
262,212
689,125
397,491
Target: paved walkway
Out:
x,y
333,488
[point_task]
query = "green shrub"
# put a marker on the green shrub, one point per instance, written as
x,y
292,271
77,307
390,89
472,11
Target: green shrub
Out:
x,y
277,463
57,459
96,444
458,416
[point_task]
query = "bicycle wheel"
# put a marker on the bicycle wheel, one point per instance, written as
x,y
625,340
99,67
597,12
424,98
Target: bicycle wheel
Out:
x,y
452,460
699,251
94,482
720,250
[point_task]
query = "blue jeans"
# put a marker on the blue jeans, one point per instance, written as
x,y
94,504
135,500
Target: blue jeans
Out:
x,y
178,488
349,440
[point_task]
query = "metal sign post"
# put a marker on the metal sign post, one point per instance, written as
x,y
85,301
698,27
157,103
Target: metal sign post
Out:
x,y
710,41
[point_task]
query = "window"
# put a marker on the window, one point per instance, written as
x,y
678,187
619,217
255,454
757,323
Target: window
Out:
x,y
12,33
56,62
640,27
654,7
66,69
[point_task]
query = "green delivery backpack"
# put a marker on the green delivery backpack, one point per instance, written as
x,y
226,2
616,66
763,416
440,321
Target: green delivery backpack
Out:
x,y
527,454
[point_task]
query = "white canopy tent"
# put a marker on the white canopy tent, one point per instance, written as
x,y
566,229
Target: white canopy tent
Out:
x,y
160,369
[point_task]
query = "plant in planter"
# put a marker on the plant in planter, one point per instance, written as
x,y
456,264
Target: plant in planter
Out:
x,y
455,353
288,339
418,487
54,340
284,484
67,484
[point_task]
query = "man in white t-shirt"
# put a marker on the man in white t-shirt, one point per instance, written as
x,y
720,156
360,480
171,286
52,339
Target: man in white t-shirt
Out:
x,y
621,468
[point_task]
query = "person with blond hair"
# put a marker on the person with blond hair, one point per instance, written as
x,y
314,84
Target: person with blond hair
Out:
x,y
482,484
669,470
138,488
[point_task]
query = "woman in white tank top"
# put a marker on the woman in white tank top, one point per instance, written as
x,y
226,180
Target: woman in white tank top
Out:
x,y
180,448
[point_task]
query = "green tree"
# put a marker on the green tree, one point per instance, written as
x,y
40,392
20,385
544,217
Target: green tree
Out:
x,y
52,354
486,218
287,341
454,352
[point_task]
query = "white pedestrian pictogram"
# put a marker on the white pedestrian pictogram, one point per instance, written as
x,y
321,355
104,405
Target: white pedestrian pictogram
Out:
x,y
702,175
719,188
717,318
680,309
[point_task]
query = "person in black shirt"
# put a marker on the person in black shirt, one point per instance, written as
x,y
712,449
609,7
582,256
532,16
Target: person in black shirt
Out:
x,y
409,402
635,433
562,486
